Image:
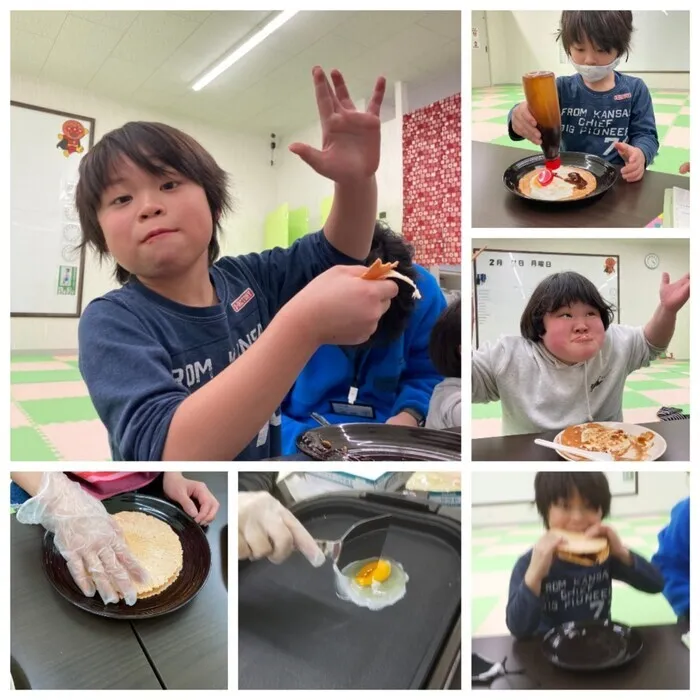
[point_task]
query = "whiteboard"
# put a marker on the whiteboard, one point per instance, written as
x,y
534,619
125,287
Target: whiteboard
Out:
x,y
46,274
497,488
505,280
660,43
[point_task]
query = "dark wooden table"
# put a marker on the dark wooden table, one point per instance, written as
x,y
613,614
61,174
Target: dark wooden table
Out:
x,y
58,646
522,448
625,205
663,664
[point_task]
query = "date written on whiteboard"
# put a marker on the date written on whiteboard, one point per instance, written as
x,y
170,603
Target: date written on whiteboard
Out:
x,y
497,262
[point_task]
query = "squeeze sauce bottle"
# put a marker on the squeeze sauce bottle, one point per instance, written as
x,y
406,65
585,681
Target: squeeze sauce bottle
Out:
x,y
543,102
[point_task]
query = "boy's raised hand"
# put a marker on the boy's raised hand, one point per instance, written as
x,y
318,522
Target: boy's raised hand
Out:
x,y
674,295
635,161
350,139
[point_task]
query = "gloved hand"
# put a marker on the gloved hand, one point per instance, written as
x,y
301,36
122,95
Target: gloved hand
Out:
x,y
267,529
88,538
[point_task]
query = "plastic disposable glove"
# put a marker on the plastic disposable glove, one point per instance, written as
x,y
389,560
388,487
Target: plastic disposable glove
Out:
x,y
87,537
267,529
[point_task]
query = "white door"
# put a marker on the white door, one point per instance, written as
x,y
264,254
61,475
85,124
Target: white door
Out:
x,y
481,69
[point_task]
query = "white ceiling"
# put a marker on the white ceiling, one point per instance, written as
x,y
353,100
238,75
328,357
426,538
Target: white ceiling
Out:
x,y
153,58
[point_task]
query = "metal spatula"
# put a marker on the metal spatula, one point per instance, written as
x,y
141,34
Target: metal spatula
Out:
x,y
364,540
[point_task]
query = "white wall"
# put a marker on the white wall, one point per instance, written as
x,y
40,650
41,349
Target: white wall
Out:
x,y
525,40
658,493
639,286
245,158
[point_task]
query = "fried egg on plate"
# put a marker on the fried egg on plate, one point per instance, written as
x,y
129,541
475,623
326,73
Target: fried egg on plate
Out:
x,y
371,583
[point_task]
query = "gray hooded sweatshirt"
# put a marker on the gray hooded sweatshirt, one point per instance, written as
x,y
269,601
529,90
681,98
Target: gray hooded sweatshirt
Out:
x,y
445,409
538,392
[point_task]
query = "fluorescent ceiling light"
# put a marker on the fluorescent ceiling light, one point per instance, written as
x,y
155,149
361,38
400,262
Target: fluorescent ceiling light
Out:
x,y
242,50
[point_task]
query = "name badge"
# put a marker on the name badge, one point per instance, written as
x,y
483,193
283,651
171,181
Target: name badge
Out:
x,y
358,410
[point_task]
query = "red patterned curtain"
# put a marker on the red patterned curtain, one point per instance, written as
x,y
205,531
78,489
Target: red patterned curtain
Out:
x,y
432,191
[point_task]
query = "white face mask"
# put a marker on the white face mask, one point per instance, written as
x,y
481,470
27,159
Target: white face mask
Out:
x,y
594,74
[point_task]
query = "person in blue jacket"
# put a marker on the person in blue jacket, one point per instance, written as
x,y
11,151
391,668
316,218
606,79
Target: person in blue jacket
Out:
x,y
603,112
388,379
190,358
673,559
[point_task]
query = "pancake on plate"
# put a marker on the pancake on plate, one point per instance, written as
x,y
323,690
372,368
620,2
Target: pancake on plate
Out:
x,y
156,547
594,437
582,550
569,183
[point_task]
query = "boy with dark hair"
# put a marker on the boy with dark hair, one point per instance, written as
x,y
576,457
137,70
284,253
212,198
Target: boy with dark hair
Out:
x,y
603,112
445,409
190,358
546,591
387,379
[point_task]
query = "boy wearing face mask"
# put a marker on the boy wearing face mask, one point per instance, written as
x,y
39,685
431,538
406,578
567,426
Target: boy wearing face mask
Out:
x,y
603,112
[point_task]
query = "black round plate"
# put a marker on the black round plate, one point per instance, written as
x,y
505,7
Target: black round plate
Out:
x,y
595,645
370,442
196,563
605,173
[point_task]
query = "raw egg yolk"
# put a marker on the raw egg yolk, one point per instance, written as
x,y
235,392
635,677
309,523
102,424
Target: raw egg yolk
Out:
x,y
379,570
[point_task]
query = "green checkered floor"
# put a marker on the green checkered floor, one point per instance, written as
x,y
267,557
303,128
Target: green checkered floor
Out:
x,y
663,383
51,415
490,107
495,551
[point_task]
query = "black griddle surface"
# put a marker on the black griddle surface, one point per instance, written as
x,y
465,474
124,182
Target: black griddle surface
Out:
x,y
294,632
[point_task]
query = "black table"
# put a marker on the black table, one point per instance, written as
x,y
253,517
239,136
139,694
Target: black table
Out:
x,y
58,646
625,205
663,664
522,448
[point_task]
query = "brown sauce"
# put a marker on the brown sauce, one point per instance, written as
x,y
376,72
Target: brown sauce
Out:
x,y
573,179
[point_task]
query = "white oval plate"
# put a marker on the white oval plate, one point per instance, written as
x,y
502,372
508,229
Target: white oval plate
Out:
x,y
658,447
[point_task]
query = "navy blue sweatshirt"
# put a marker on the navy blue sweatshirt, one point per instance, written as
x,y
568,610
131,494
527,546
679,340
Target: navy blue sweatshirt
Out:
x,y
572,592
592,122
141,355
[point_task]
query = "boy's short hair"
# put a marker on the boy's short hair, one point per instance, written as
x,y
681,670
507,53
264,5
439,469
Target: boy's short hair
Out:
x,y
551,487
155,148
446,340
389,246
605,29
555,291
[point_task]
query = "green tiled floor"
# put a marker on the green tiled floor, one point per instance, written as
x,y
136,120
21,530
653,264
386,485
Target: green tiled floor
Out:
x,y
490,107
495,551
51,415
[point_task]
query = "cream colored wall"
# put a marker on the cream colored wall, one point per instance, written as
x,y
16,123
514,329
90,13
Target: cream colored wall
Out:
x,y
658,493
245,158
525,40
639,286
